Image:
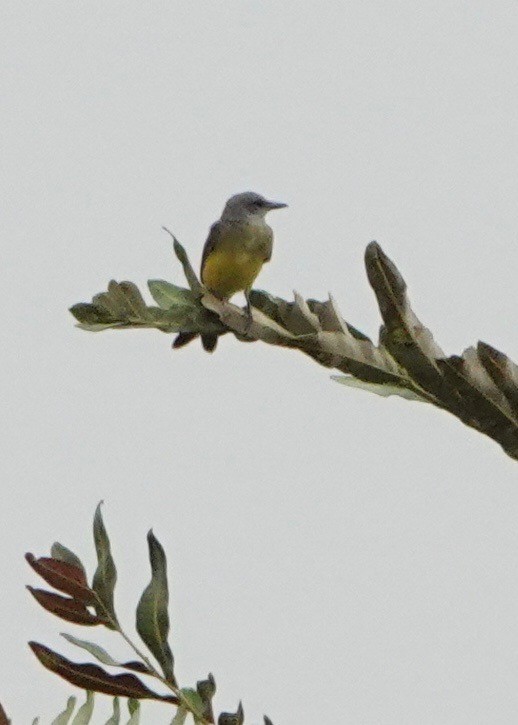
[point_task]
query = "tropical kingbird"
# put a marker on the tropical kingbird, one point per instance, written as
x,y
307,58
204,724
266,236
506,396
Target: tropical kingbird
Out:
x,y
238,245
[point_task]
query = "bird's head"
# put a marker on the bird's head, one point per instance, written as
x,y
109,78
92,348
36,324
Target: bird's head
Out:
x,y
248,204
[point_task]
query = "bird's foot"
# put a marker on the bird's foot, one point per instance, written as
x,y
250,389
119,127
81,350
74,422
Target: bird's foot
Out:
x,y
249,316
249,321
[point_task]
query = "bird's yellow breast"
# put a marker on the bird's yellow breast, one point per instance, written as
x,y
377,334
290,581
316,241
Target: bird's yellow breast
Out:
x,y
227,271
236,254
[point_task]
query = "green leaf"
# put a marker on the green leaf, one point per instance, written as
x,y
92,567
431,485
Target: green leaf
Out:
x,y
503,371
206,690
105,575
152,615
134,711
193,701
409,342
384,390
180,717
102,655
98,652
60,552
122,304
230,718
84,714
116,717
168,295
65,716
181,254
89,315
484,405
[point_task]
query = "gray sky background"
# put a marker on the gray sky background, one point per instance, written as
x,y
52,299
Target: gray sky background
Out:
x,y
333,556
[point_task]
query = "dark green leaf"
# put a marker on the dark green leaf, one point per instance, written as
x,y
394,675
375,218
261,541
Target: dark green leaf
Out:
x,y
503,371
404,336
181,254
105,576
122,304
206,690
483,406
137,666
228,718
89,314
152,615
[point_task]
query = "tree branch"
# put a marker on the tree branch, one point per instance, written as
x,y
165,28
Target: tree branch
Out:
x,y
480,387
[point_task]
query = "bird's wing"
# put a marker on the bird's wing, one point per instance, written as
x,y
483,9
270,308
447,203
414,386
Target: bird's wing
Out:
x,y
268,246
212,240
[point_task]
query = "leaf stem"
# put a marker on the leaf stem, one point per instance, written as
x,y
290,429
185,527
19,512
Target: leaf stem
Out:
x,y
153,672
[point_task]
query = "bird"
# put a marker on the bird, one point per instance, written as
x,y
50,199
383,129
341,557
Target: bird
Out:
x,y
238,245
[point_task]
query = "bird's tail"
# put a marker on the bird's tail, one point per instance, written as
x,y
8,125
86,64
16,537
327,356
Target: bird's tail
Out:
x,y
209,342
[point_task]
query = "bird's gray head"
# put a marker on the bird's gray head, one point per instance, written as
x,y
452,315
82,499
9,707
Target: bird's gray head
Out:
x,y
247,206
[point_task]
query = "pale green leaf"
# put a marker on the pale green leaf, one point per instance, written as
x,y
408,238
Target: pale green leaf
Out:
x,y
84,714
134,711
97,326
384,390
152,615
180,717
116,716
98,652
64,717
168,295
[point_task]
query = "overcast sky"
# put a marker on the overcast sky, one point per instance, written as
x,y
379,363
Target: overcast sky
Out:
x,y
333,556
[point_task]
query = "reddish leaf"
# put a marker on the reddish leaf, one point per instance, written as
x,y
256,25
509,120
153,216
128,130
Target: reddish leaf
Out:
x,y
63,576
4,720
136,666
92,677
69,609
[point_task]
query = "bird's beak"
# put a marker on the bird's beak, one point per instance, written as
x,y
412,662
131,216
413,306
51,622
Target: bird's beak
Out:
x,y
276,205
